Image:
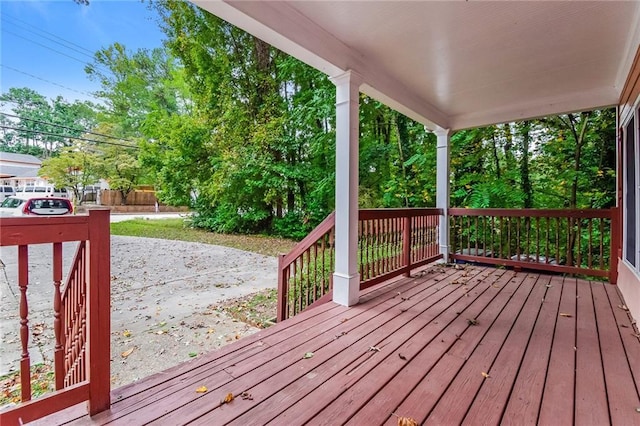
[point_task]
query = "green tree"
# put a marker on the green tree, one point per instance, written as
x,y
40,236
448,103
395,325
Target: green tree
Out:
x,y
74,168
38,124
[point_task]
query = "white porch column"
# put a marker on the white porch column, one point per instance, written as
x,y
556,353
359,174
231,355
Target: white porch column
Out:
x,y
346,279
442,189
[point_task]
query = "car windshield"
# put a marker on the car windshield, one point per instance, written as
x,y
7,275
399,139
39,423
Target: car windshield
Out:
x,y
11,203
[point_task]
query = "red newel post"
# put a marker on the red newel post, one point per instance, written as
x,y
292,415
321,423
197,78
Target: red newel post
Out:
x,y
99,311
58,352
406,244
282,291
615,245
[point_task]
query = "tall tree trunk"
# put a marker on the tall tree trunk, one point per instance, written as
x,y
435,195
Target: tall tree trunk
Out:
x,y
401,127
496,159
525,181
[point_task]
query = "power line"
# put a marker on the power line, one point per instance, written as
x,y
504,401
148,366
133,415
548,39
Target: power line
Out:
x,y
34,28
46,81
50,48
67,136
66,127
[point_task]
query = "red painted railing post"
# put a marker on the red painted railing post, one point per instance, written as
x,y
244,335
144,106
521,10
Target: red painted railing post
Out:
x,y
406,244
283,291
58,352
25,359
99,312
615,245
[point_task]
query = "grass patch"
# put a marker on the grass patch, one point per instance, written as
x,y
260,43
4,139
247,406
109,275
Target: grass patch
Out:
x,y
257,309
176,229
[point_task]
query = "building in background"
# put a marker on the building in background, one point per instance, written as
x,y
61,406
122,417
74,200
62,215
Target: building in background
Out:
x,y
20,170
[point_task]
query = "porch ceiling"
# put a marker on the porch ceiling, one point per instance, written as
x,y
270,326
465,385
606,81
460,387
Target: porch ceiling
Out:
x,y
458,64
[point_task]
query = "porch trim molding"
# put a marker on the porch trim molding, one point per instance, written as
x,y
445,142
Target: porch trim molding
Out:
x,y
346,279
443,157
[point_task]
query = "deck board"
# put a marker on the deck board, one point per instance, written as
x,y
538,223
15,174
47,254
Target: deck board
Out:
x,y
524,402
558,395
590,390
581,367
492,398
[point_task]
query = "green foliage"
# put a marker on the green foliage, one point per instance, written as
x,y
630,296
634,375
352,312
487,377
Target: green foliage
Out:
x,y
74,168
41,126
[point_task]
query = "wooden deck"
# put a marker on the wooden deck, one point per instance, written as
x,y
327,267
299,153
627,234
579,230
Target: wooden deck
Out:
x,y
446,346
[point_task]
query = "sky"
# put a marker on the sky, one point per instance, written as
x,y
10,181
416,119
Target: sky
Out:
x,y
45,45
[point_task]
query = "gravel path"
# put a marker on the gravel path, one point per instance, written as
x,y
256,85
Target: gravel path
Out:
x,y
162,292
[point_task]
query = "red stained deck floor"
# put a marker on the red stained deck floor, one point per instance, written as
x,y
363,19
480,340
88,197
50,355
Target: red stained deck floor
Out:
x,y
446,346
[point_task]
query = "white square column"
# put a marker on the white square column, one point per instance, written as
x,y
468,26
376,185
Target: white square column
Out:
x,y
346,279
443,188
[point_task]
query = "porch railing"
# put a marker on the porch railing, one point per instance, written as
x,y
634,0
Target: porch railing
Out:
x,y
80,317
391,242
566,241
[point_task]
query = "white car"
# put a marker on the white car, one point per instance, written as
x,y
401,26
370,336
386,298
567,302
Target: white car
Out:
x,y
41,191
35,206
6,191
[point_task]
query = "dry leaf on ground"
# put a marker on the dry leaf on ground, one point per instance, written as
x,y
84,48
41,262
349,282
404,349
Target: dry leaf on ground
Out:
x,y
562,314
307,355
126,333
202,389
407,421
227,399
485,375
127,352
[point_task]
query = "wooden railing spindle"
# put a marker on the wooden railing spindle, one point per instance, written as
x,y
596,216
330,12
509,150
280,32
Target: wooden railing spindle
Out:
x,y
25,361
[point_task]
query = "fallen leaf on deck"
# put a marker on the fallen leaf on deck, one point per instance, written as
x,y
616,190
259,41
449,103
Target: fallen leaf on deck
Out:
x,y
202,389
623,307
562,314
127,352
307,355
227,399
246,396
374,349
344,320
407,421
340,335
402,357
472,321
495,286
126,333
624,326
485,375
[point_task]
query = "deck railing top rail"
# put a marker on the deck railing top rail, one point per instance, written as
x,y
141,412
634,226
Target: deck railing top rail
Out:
x,y
577,213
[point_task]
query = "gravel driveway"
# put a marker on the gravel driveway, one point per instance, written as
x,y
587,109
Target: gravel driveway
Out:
x,y
161,291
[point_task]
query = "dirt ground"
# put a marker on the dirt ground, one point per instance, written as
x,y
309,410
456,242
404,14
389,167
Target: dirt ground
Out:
x,y
168,301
